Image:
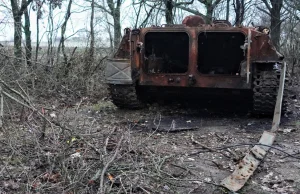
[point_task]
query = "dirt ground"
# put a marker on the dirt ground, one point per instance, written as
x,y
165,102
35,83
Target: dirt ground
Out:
x,y
98,148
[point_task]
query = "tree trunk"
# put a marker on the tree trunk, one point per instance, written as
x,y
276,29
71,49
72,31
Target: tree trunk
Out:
x,y
28,38
117,28
110,35
169,11
37,38
50,39
114,11
92,43
17,15
274,12
18,39
239,12
209,13
62,40
210,6
276,23
111,39
17,32
227,9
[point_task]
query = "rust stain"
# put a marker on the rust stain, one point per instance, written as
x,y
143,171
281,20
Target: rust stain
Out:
x,y
262,50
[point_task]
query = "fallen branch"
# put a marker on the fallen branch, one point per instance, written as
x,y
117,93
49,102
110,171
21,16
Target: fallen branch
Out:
x,y
214,150
101,188
204,146
14,91
1,107
98,65
31,107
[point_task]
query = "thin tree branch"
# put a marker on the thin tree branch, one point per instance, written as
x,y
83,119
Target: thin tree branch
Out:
x,y
260,9
184,3
101,7
24,6
192,11
267,5
101,189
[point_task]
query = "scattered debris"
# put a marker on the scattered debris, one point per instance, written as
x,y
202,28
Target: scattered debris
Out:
x,y
76,155
53,115
51,177
288,130
207,179
10,184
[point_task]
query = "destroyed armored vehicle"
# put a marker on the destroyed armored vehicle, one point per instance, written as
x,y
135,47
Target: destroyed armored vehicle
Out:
x,y
198,56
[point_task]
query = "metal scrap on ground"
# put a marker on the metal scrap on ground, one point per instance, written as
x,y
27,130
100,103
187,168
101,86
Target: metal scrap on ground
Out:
x,y
250,162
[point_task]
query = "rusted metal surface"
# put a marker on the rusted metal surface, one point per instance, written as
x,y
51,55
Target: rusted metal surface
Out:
x,y
132,48
246,167
124,48
203,81
193,21
250,162
133,44
241,174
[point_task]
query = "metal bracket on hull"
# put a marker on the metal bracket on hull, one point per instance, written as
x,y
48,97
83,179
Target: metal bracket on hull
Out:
x,y
118,71
248,55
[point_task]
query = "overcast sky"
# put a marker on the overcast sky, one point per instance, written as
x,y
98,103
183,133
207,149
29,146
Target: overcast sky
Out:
x,y
79,20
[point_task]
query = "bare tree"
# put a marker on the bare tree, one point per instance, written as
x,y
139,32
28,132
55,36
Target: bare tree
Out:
x,y
62,40
92,36
146,12
27,32
50,37
114,9
18,11
290,38
169,5
50,31
37,8
239,9
227,9
274,11
209,5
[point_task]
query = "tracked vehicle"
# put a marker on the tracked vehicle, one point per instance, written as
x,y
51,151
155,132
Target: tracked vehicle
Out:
x,y
195,56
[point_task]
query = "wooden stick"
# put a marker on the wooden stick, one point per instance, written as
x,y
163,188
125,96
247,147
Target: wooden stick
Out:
x,y
101,189
1,107
248,55
277,111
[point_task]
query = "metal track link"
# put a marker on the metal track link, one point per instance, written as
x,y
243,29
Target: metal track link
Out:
x,y
125,96
266,84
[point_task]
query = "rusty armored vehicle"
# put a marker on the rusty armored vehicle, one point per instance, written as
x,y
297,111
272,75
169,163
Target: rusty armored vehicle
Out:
x,y
192,57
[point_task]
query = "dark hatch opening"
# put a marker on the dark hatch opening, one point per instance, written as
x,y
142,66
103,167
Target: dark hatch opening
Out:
x,y
166,52
220,52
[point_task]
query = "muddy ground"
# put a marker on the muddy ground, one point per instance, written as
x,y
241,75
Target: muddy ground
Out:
x,y
98,148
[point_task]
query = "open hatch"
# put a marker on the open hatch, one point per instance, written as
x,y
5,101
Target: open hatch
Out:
x,y
220,52
166,52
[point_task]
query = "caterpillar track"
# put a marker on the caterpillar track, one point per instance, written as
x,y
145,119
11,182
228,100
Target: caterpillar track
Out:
x,y
266,84
125,96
